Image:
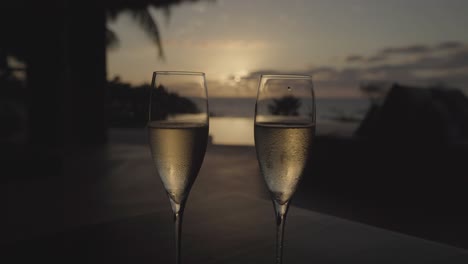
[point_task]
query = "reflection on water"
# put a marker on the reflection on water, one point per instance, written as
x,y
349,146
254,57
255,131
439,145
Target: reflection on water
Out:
x,y
232,131
327,108
240,130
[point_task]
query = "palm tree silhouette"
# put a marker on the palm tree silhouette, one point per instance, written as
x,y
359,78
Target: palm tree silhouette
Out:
x,y
14,39
172,103
146,21
140,12
64,50
287,105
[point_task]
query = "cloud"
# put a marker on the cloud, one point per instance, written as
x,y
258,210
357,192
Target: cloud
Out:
x,y
450,66
258,73
449,45
430,67
456,60
440,65
354,58
370,59
217,43
413,49
376,58
199,8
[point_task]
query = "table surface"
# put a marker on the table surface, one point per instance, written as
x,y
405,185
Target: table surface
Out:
x,y
235,229
114,210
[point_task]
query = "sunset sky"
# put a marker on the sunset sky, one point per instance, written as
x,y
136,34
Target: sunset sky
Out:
x,y
340,42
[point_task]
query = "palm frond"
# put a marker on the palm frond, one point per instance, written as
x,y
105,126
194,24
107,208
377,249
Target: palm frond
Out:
x,y
167,14
149,25
112,14
112,40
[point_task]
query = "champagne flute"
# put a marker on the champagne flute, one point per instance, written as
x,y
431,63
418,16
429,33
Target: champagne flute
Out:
x,y
178,134
284,132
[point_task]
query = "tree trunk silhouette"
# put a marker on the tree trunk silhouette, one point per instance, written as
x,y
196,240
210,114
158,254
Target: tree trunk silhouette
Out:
x,y
67,73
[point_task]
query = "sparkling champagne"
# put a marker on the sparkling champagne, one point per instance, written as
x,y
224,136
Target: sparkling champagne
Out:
x,y
283,151
178,150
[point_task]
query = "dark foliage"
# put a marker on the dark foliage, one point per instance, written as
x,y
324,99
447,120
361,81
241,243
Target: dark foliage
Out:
x,y
128,106
287,105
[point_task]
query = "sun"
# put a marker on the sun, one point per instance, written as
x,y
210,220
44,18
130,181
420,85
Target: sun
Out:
x,y
239,75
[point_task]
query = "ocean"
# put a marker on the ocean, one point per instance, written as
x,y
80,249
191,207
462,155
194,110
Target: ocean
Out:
x,y
327,108
231,121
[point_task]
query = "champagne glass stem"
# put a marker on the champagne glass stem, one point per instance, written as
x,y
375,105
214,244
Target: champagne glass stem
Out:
x,y
281,211
178,231
279,238
178,209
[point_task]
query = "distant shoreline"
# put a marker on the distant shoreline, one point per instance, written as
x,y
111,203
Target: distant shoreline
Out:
x,y
233,131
